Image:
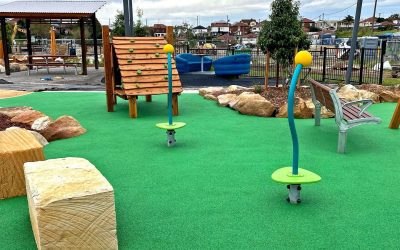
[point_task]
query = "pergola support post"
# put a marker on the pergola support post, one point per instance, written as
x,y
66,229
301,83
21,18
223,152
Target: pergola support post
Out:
x,y
5,45
83,45
29,42
96,56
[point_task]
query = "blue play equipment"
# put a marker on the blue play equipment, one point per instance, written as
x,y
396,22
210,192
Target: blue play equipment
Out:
x,y
232,65
190,63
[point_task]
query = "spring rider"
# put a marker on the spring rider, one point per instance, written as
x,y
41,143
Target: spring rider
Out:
x,y
295,176
170,126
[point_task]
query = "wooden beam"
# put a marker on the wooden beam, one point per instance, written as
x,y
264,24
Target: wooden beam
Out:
x,y
170,35
83,46
108,68
29,41
96,56
5,45
175,110
45,15
395,122
132,107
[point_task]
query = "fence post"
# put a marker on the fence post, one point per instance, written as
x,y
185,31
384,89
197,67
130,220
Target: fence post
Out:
x,y
360,81
324,65
383,51
233,51
266,70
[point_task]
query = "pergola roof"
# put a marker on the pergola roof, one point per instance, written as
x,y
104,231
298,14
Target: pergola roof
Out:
x,y
50,9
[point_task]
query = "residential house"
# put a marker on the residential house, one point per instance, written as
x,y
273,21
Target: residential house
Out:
x,y
249,39
159,30
306,24
368,22
256,29
220,28
199,30
227,39
327,24
239,29
251,22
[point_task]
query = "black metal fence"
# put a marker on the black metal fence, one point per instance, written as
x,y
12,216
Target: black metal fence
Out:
x,y
329,64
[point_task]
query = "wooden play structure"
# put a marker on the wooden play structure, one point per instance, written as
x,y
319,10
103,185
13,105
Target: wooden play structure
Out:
x,y
137,66
396,117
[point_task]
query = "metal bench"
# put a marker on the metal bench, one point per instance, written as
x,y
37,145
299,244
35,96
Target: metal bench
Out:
x,y
347,114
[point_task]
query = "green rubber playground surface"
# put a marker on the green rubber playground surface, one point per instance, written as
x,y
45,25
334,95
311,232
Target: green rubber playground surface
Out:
x,y
214,190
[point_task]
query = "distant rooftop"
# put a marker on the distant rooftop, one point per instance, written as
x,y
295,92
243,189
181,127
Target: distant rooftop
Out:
x,y
35,8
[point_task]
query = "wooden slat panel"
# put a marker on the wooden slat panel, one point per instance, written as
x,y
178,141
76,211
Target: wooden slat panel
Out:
x,y
160,61
144,67
152,91
134,56
128,86
136,46
139,51
148,38
139,79
163,72
143,42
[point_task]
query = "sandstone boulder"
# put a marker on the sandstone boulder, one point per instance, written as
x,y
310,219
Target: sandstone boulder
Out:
x,y
15,67
11,112
62,128
27,117
2,69
388,96
364,94
349,93
41,123
210,90
233,88
302,109
225,99
210,97
253,104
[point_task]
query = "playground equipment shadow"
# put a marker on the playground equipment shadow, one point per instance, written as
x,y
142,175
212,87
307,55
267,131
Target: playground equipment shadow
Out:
x,y
214,190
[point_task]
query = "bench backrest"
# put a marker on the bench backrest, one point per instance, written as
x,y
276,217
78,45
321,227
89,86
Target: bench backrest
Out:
x,y
327,97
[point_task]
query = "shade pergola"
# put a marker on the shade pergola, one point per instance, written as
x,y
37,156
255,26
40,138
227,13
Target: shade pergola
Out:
x,y
79,12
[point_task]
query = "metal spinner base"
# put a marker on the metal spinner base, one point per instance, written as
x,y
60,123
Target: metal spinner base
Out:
x,y
171,138
294,193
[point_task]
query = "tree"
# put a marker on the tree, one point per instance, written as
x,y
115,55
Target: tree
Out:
x,y
380,19
283,33
348,20
119,25
394,17
139,29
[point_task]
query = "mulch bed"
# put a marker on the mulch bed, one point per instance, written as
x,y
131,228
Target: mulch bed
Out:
x,y
278,96
5,122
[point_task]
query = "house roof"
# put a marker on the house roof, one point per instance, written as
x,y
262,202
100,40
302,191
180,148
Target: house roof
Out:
x,y
306,20
250,36
368,20
220,24
240,24
47,9
226,37
159,26
199,28
386,23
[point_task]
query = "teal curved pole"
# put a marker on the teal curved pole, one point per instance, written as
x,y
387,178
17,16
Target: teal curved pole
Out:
x,y
169,89
295,141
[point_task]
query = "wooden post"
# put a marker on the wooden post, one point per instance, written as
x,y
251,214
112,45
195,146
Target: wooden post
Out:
x,y
1,50
170,35
96,56
394,124
175,110
29,41
5,47
148,98
83,45
132,107
266,71
294,65
108,68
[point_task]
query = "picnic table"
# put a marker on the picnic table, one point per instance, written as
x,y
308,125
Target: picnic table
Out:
x,y
49,61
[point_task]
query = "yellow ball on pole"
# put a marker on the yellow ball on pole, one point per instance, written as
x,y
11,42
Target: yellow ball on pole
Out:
x,y
304,58
168,48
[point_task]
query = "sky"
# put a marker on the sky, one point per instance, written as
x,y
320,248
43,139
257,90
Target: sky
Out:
x,y
172,12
